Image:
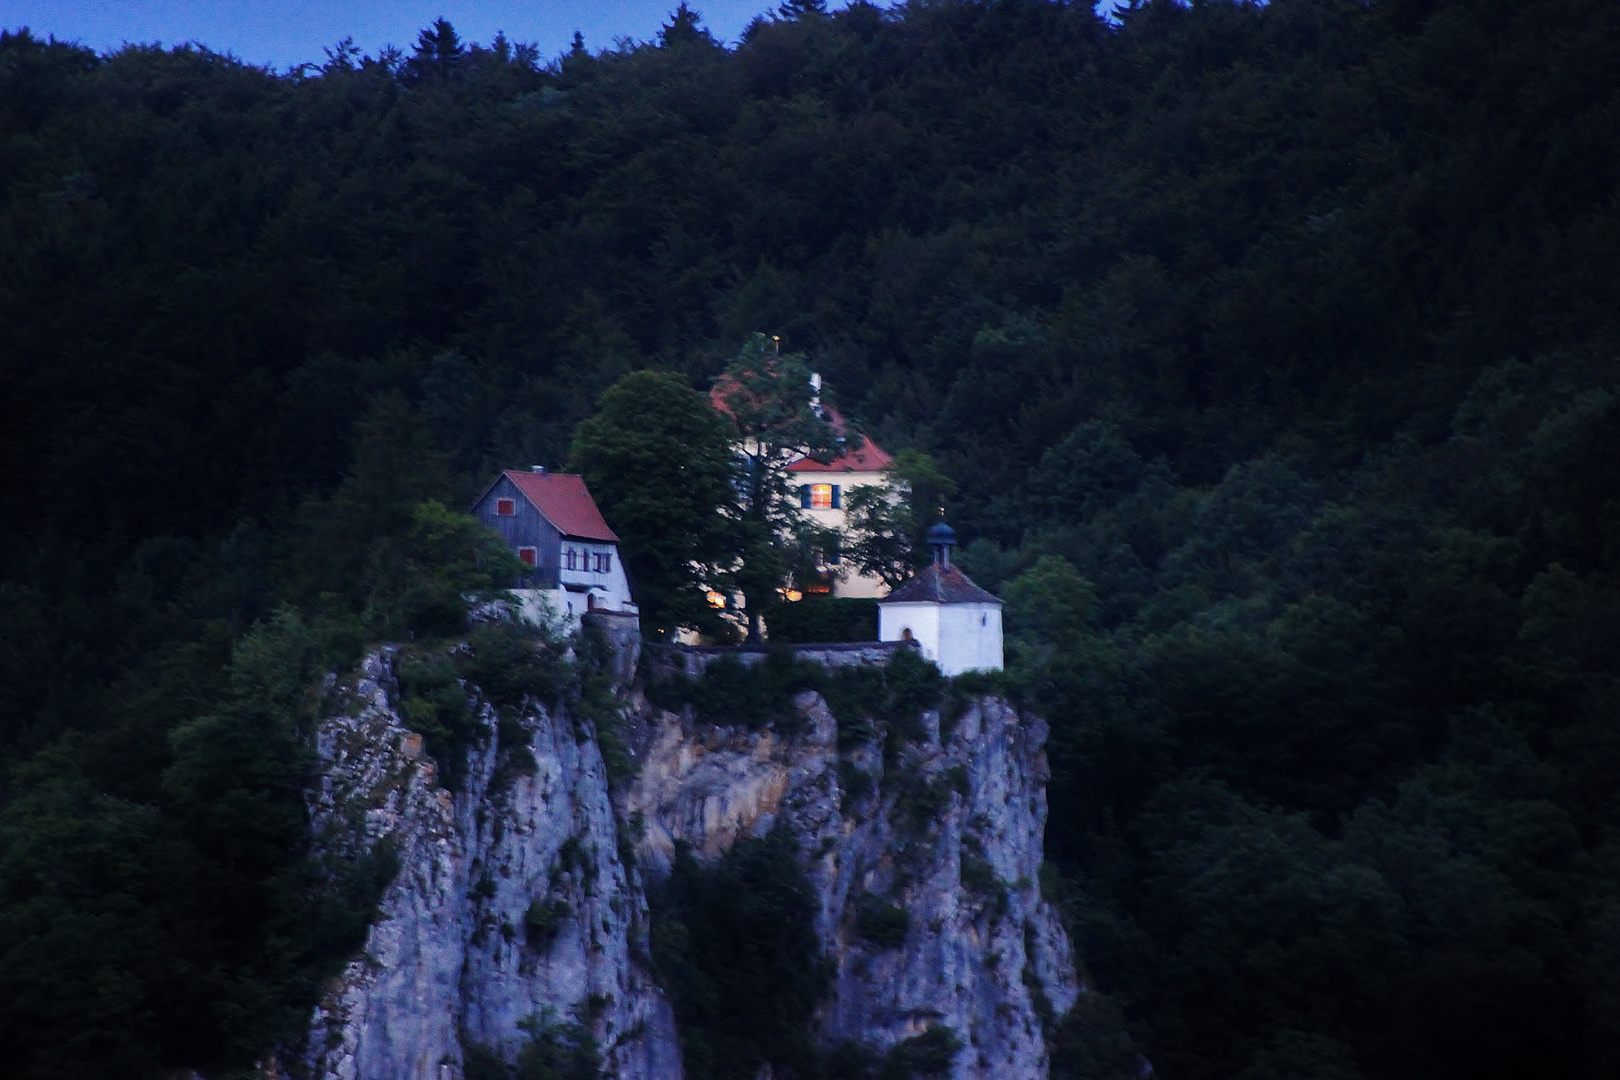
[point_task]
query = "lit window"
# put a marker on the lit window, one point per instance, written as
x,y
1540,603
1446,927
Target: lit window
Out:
x,y
505,507
821,496
528,556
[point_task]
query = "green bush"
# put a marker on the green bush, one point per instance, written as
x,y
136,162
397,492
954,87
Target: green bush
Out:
x,y
854,784
554,1051
927,1055
825,619
979,877
543,920
480,1062
882,923
735,947
434,704
919,799
731,693
558,1051
591,699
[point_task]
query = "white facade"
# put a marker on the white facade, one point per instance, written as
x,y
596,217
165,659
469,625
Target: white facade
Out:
x,y
957,636
821,484
593,568
589,578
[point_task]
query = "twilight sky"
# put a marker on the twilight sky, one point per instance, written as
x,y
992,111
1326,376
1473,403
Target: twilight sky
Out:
x,y
287,32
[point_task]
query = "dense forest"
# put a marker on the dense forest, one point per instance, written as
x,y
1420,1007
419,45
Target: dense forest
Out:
x,y
1270,350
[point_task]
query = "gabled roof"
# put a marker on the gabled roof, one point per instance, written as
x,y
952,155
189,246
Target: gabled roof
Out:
x,y
869,458
565,502
936,584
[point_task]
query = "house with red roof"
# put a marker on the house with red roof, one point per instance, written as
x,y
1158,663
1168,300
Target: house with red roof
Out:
x,y
554,526
823,486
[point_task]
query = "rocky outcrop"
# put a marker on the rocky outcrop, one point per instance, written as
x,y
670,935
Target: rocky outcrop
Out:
x,y
450,960
951,835
520,895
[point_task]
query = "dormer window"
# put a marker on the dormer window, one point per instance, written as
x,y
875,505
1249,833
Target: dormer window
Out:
x,y
505,507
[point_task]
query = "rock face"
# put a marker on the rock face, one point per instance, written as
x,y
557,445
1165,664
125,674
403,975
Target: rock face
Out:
x,y
950,832
952,836
448,959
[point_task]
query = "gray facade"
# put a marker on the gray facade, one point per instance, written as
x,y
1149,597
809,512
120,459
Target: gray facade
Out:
x,y
525,528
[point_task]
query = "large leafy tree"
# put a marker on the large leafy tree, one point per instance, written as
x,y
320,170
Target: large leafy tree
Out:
x,y
658,460
886,523
767,395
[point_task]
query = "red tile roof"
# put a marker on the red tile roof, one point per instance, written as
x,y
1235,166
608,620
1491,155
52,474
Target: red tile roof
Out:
x,y
936,584
869,458
565,502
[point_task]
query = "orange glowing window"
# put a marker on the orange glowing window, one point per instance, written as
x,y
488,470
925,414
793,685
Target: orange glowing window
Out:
x,y
821,496
505,507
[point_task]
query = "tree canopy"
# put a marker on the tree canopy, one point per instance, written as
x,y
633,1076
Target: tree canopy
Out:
x,y
1270,349
658,460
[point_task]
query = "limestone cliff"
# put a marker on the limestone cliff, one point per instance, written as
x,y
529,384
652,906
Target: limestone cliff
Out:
x,y
953,837
950,832
450,960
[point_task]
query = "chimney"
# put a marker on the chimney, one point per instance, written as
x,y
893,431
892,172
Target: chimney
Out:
x,y
541,469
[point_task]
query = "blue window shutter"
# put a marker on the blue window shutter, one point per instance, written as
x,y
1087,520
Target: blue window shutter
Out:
x,y
804,496
838,497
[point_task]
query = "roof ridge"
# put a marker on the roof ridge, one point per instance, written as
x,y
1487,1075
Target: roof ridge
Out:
x,y
937,584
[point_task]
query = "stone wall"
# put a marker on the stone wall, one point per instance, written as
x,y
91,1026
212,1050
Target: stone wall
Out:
x,y
694,660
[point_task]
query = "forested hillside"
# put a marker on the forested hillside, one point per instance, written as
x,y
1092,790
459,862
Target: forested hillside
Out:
x,y
1271,349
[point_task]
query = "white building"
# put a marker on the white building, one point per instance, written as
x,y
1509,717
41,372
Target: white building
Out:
x,y
553,525
824,487
955,623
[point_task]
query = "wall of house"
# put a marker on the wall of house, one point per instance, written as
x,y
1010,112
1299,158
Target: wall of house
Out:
x,y
969,638
611,590
853,584
526,528
957,637
921,619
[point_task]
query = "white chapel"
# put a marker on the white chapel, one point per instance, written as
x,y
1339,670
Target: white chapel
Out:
x,y
955,623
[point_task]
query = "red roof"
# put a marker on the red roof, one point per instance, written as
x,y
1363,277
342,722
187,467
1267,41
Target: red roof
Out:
x,y
936,584
869,458
565,502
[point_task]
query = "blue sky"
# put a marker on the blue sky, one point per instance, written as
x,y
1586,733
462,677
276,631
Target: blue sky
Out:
x,y
291,32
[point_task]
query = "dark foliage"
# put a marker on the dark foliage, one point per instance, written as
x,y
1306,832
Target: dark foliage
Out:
x,y
732,693
818,618
1270,349
734,943
543,919
554,1050
881,923
658,461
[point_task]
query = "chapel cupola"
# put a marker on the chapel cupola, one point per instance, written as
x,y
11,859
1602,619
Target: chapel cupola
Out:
x,y
941,538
